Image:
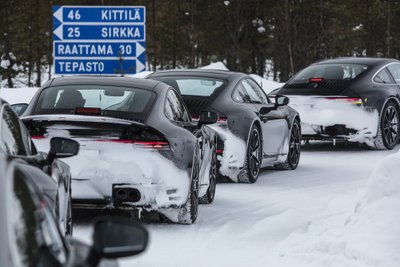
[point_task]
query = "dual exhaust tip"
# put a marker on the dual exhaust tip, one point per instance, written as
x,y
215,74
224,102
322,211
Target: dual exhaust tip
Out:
x,y
124,194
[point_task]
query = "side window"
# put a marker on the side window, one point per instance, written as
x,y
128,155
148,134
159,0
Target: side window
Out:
x,y
34,237
383,77
255,96
11,140
174,109
260,93
395,71
240,94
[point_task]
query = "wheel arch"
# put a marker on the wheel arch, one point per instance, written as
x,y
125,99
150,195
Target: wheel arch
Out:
x,y
392,99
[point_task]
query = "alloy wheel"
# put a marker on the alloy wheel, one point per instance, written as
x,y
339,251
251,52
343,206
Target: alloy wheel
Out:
x,y
295,145
390,127
254,153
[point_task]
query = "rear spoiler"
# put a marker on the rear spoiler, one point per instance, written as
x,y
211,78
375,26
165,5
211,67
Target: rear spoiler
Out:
x,y
87,126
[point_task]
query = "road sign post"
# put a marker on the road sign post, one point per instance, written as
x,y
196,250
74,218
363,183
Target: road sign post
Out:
x,y
99,39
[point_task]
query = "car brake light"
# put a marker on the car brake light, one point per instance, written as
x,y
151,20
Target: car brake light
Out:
x,y
38,137
316,80
352,100
151,144
141,144
88,111
220,151
222,119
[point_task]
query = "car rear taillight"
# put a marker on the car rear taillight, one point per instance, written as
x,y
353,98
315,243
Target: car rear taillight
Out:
x,y
316,80
38,137
351,100
160,145
220,151
222,119
152,144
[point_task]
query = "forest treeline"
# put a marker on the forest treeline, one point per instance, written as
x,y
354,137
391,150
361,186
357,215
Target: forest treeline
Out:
x,y
268,37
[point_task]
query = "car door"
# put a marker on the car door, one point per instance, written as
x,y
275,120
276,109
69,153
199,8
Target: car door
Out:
x,y
274,124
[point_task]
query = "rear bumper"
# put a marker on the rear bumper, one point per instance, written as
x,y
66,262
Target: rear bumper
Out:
x,y
335,119
148,196
336,131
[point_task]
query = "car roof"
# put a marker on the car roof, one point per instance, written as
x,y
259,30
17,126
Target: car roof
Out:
x,y
372,61
104,80
213,73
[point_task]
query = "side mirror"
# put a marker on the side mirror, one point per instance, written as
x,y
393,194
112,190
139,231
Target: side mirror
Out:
x,y
208,117
281,100
267,108
19,108
61,147
115,238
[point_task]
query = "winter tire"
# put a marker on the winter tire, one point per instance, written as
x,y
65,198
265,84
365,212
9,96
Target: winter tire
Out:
x,y
293,157
388,130
252,165
209,197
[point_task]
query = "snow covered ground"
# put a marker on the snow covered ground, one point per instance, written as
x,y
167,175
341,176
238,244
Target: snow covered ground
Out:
x,y
332,211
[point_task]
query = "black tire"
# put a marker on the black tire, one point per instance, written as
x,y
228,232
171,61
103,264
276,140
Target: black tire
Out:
x,y
388,131
294,152
189,212
69,223
252,164
210,195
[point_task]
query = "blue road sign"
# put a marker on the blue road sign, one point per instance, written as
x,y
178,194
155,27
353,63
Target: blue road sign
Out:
x,y
99,14
100,32
98,49
92,66
99,39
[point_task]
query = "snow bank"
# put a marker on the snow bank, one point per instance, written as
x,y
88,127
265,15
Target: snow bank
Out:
x,y
215,66
18,95
234,153
266,85
351,232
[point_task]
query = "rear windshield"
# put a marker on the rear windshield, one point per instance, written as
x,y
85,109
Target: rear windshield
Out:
x,y
111,100
330,72
193,86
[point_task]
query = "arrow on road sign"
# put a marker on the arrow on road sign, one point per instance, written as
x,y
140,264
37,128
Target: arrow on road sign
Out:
x,y
139,66
58,14
58,33
139,49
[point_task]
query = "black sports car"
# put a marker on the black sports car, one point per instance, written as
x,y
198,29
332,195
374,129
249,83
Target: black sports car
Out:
x,y
30,236
264,133
52,176
139,146
356,99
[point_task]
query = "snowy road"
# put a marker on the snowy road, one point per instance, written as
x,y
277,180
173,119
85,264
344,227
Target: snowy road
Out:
x,y
249,225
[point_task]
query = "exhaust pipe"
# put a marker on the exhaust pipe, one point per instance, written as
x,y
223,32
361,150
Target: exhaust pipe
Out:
x,y
125,194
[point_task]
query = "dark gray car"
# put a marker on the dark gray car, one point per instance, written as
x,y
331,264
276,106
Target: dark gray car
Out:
x,y
271,131
30,236
121,121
